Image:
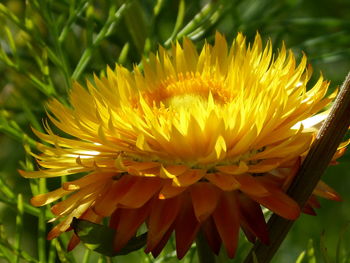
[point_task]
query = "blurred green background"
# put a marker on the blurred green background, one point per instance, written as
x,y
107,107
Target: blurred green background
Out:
x,y
44,45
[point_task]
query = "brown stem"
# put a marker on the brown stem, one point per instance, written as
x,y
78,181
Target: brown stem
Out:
x,y
309,174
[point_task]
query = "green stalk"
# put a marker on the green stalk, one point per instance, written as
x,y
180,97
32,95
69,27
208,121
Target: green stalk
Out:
x,y
10,199
86,256
198,19
205,254
74,13
26,207
52,252
52,25
42,225
309,174
179,22
19,226
108,27
22,25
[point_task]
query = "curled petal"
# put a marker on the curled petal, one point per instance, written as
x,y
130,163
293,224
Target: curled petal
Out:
x,y
158,248
189,177
169,191
129,221
205,197
326,191
186,227
44,199
106,204
73,242
211,234
227,222
279,202
225,182
249,185
141,192
163,215
252,218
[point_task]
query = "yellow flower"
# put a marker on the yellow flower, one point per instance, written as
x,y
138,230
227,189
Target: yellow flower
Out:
x,y
195,141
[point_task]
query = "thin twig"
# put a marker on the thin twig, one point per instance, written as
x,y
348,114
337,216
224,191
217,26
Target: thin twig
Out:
x,y
309,174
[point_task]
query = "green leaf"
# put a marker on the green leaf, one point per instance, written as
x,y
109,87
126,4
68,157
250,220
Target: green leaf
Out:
x,y
99,238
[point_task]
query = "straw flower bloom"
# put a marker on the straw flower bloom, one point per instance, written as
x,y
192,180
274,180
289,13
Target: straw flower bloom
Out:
x,y
193,142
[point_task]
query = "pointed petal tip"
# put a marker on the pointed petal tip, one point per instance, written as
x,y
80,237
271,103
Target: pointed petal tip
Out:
x,y
29,174
336,197
309,210
38,200
73,242
293,214
53,234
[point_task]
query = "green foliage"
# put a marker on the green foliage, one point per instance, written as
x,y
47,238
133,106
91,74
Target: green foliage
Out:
x,y
99,238
341,255
46,44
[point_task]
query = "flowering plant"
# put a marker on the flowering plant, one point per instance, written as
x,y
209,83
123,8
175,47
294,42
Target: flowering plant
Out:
x,y
200,140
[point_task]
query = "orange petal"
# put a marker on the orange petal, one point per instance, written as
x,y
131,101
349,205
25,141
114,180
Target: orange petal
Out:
x,y
233,169
115,217
252,218
169,191
161,244
73,242
186,228
326,191
151,172
211,234
162,216
288,173
307,209
107,203
140,166
223,181
339,153
141,192
54,172
129,221
172,171
205,197
313,202
54,232
249,185
189,177
44,199
82,196
86,180
65,224
227,222
279,203
264,166
248,234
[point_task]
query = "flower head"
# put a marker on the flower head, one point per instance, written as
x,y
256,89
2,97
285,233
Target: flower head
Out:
x,y
195,141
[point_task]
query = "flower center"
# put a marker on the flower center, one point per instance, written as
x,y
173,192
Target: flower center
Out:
x,y
184,90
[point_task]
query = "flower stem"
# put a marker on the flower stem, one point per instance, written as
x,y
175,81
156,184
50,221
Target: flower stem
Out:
x,y
205,255
309,174
42,226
